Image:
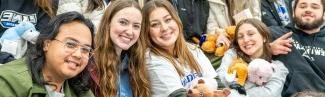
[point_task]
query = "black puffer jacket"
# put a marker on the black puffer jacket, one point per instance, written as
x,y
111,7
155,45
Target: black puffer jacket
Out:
x,y
15,11
194,15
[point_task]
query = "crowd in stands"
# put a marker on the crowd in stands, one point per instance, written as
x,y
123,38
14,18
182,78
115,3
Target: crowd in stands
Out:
x,y
152,48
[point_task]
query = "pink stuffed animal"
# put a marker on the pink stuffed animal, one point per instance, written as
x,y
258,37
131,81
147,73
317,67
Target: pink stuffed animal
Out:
x,y
260,71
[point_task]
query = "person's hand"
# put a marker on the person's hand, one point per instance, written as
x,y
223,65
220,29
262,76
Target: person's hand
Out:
x,y
282,45
222,39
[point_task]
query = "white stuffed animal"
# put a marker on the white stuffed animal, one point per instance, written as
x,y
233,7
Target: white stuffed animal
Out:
x,y
260,71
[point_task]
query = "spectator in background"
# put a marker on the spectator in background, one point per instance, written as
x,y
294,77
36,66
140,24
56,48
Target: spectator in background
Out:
x,y
56,65
194,15
37,12
14,12
92,9
237,6
276,12
218,16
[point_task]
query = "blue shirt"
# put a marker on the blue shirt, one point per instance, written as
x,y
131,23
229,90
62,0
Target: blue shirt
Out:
x,y
124,85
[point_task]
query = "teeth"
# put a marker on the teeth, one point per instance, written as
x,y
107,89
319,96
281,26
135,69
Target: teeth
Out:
x,y
125,38
248,46
166,36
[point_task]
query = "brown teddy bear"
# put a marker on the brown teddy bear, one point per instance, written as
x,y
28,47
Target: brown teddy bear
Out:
x,y
209,45
202,90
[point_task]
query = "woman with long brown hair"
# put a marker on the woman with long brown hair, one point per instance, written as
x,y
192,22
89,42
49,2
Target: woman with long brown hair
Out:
x,y
119,54
252,38
172,63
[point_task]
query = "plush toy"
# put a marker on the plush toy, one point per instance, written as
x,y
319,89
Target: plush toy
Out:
x,y
230,30
240,67
14,40
260,71
222,93
202,89
211,83
221,49
209,45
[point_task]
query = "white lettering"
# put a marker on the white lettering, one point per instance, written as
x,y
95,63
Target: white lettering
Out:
x,y
6,16
16,18
33,19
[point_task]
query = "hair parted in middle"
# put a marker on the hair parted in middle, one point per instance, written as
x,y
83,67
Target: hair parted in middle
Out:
x,y
108,63
265,33
181,50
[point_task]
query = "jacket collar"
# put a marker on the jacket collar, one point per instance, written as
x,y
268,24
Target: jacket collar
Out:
x,y
37,90
40,90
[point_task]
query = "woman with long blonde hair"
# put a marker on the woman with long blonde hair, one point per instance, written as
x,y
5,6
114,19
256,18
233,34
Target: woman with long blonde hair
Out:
x,y
119,55
172,63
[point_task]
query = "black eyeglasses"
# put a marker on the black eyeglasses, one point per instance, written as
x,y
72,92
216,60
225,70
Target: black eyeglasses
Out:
x,y
71,46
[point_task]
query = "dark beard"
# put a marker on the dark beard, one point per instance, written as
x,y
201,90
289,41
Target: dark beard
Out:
x,y
308,26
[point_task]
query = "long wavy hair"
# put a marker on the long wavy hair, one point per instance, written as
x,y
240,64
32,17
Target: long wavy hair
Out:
x,y
36,56
265,33
108,63
181,50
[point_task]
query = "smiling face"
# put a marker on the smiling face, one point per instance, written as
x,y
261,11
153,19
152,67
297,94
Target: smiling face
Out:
x,y
62,62
250,41
163,29
309,14
125,28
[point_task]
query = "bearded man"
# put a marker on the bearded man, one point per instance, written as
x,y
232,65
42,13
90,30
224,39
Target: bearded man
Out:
x,y
300,46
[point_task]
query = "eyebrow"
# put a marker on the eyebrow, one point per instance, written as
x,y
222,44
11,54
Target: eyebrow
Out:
x,y
251,31
70,38
166,16
158,20
123,19
315,4
154,21
302,3
137,23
